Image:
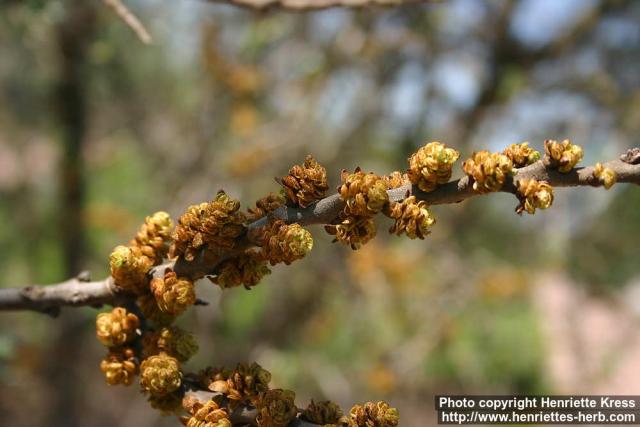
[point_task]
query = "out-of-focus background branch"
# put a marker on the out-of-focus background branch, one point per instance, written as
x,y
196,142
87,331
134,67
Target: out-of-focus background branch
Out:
x,y
225,97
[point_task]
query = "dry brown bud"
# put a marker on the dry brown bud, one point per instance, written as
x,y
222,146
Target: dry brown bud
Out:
x,y
373,415
354,231
218,223
305,183
247,269
117,327
488,170
265,205
431,165
411,218
324,413
208,376
276,408
246,382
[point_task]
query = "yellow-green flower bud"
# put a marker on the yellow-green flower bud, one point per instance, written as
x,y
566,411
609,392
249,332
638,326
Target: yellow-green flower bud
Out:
x,y
153,236
365,194
431,165
116,327
534,195
129,268
521,154
488,170
606,176
120,366
563,156
160,375
412,218
173,295
285,242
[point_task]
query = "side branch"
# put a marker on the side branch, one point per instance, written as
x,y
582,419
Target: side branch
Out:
x,y
78,292
306,5
49,299
328,209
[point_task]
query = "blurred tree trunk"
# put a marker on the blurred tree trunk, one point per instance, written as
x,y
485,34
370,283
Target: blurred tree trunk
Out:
x,y
73,35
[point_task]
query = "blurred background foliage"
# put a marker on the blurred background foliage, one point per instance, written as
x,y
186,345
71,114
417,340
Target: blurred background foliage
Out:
x,y
98,130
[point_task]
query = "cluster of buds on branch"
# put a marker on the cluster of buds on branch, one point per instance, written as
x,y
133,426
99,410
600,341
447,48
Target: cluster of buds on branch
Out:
x,y
153,278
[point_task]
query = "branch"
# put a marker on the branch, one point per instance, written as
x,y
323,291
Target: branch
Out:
x,y
130,20
76,292
49,299
327,210
305,5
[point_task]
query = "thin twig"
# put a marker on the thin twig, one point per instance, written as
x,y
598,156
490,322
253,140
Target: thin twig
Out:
x,y
130,19
305,5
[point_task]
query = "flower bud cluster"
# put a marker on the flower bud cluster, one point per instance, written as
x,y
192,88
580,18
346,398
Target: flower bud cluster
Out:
x,y
170,340
365,194
412,218
534,195
354,231
563,156
117,327
208,414
218,223
173,294
521,154
117,330
285,243
327,414
373,415
265,205
396,179
153,236
129,268
245,383
605,176
247,269
120,366
160,375
305,183
276,408
432,165
488,170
